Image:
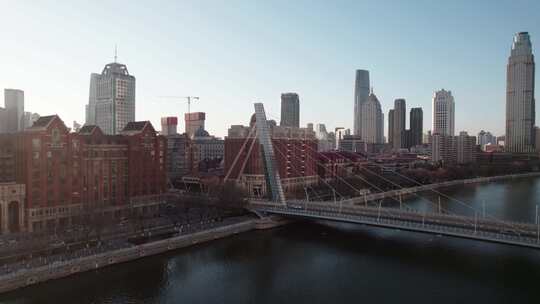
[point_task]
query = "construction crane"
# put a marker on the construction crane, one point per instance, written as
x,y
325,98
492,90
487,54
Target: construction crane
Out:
x,y
188,98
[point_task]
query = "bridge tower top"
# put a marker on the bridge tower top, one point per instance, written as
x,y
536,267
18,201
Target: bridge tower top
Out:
x,y
270,169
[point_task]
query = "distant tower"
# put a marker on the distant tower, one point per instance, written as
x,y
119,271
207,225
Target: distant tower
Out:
x,y
290,110
400,115
14,104
391,127
111,103
520,103
443,113
361,93
194,121
169,125
372,121
416,123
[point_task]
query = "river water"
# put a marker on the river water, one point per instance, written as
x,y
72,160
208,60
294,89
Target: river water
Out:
x,y
329,263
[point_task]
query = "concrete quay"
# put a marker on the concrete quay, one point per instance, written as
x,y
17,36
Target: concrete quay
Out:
x,y
56,270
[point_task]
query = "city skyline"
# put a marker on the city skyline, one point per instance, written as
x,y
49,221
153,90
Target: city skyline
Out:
x,y
186,67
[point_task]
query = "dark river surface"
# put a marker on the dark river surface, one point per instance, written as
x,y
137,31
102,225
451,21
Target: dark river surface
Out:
x,y
322,262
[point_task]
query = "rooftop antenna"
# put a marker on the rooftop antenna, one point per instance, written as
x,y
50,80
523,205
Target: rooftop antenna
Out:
x,y
115,53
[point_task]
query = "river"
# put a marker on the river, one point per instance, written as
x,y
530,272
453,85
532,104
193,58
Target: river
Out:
x,y
329,263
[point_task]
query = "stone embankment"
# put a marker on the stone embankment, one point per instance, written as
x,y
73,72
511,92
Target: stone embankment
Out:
x,y
27,277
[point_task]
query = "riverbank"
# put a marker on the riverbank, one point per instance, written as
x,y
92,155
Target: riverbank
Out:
x,y
56,270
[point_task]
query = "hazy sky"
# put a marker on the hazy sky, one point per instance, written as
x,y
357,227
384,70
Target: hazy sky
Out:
x,y
233,53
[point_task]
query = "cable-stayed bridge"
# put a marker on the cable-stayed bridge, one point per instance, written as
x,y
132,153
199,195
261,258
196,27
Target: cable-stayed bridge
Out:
x,y
481,226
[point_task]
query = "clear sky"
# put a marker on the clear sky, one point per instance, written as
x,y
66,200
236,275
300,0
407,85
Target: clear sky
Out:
x,y
233,53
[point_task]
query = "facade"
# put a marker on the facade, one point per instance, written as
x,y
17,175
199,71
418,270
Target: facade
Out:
x,y
466,148
290,110
295,152
372,124
207,147
332,164
12,197
443,149
400,116
443,113
520,103
353,143
14,107
416,126
485,138
179,156
361,93
3,120
70,175
194,121
169,125
111,104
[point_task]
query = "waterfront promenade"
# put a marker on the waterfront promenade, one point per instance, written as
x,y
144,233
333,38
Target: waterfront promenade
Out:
x,y
41,269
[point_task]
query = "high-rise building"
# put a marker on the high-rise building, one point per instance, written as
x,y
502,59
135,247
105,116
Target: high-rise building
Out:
x,y
169,125
391,127
485,138
443,149
443,113
361,93
400,112
325,141
372,125
14,104
194,121
416,119
111,104
290,110
520,103
340,132
466,148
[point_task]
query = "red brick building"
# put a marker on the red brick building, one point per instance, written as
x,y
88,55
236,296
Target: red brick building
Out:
x,y
295,150
67,174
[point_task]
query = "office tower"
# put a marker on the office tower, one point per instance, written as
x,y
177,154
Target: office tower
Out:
x,y
399,123
372,123
290,110
14,104
391,127
169,125
443,113
111,104
443,149
466,148
361,93
416,119
520,103
194,121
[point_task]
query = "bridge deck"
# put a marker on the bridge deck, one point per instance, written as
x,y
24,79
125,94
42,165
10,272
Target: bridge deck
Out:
x,y
518,234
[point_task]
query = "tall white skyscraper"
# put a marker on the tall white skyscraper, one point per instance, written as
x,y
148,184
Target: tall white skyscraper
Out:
x,y
520,103
111,103
14,104
443,113
372,121
361,93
